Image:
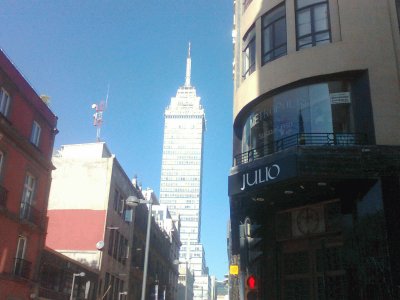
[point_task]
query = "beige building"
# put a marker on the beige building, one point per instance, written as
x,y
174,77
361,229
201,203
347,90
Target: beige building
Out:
x,y
88,218
316,157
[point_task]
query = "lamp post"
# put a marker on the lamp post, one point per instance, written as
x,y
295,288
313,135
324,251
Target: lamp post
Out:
x,y
122,293
134,201
81,274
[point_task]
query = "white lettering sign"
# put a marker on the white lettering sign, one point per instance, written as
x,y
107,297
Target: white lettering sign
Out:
x,y
260,175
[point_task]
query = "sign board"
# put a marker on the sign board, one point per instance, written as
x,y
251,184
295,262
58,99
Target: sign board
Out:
x,y
261,176
233,269
340,98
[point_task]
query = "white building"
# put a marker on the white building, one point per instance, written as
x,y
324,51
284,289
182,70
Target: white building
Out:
x,y
181,171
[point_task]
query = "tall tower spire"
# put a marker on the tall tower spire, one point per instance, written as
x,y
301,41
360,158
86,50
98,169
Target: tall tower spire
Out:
x,y
188,68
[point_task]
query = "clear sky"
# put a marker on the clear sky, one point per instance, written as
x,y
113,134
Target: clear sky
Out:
x,y
72,50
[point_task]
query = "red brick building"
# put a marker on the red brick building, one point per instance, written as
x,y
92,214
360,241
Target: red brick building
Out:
x,y
27,131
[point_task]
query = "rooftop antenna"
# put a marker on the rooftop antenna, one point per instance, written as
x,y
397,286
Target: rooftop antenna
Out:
x,y
188,68
98,115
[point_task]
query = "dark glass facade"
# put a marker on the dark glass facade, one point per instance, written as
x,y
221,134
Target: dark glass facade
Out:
x,y
316,108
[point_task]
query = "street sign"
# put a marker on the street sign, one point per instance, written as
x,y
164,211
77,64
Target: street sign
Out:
x,y
233,269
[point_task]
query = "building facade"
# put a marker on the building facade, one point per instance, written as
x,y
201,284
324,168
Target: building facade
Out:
x,y
181,172
316,154
27,132
88,219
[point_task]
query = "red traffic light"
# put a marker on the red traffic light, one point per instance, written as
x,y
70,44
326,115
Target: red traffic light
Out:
x,y
251,282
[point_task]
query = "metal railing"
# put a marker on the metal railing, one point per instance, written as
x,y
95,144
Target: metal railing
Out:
x,y
3,196
31,214
301,139
22,268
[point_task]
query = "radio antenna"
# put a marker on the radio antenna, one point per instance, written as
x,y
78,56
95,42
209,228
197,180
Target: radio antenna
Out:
x,y
98,115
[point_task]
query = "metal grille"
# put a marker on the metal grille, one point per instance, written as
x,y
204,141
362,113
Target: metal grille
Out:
x,y
301,139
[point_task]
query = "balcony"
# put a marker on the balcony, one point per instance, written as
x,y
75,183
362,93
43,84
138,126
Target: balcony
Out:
x,y
3,197
22,268
30,214
300,139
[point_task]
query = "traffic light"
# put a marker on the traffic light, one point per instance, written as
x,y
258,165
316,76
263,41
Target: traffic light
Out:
x,y
254,242
250,243
251,288
243,247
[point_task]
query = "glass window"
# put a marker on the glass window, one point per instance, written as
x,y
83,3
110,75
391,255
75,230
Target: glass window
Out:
x,y
274,34
21,247
322,108
4,101
27,196
35,136
249,53
312,23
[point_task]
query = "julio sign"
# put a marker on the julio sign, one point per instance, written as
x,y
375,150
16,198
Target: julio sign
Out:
x,y
261,176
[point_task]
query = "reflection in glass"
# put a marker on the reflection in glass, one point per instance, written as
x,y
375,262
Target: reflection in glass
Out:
x,y
318,108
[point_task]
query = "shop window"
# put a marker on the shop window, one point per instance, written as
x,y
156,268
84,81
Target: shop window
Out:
x,y
312,23
314,113
274,34
249,53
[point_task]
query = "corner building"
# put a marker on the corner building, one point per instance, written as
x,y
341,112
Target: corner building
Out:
x,y
316,156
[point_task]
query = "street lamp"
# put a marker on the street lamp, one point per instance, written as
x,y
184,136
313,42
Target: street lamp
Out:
x,y
134,201
81,274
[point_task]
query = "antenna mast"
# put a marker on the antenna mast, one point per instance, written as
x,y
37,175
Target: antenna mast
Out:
x,y
98,115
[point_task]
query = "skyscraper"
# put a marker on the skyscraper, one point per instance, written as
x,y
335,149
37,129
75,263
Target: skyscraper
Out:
x,y
181,171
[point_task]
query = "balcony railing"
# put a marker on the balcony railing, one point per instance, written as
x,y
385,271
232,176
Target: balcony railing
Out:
x,y
31,214
3,196
22,268
301,139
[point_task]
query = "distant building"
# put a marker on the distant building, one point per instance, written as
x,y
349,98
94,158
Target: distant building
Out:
x,y
181,172
27,132
316,149
185,282
171,228
162,276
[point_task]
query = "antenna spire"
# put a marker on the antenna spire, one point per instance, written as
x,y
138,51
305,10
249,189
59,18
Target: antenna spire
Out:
x,y
188,68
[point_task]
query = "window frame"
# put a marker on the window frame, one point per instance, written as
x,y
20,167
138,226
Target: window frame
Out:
x,y
35,133
273,32
1,162
313,33
4,102
30,185
249,53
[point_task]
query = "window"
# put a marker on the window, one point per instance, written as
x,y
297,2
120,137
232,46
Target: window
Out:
x,y
1,161
249,52
4,101
35,136
312,23
27,196
274,34
312,109
21,267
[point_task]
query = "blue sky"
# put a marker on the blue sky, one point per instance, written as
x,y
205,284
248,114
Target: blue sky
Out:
x,y
72,50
